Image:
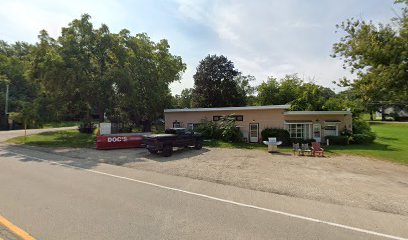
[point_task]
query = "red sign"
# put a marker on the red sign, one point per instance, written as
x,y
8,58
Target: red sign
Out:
x,y
118,141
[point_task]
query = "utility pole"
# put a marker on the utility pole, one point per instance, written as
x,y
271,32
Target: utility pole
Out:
x,y
6,106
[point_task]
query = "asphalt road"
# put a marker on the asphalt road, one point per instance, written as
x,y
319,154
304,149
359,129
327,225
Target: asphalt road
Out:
x,y
54,197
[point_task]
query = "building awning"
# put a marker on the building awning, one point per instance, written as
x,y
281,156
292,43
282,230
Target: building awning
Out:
x,y
332,121
298,122
317,113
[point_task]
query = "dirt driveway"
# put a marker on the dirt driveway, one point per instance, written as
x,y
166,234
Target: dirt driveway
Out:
x,y
346,180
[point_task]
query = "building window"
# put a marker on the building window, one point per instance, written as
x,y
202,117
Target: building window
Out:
x,y
176,124
296,130
216,118
330,130
299,130
239,118
192,126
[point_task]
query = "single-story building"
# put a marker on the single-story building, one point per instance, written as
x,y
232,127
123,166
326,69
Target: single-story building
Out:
x,y
252,120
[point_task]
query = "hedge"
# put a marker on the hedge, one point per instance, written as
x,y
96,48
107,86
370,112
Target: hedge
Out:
x,y
302,141
363,138
338,140
280,134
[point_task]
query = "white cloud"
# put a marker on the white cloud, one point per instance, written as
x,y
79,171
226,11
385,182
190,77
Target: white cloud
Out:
x,y
265,38
22,20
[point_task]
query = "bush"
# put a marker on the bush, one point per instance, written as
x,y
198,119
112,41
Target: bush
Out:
x,y
360,126
87,127
338,140
280,134
229,131
301,141
363,138
225,130
362,133
208,129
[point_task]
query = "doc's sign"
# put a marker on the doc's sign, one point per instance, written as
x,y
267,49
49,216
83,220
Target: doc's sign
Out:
x,y
110,142
117,139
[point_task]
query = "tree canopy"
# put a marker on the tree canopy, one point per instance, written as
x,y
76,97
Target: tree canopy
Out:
x,y
92,71
215,83
377,54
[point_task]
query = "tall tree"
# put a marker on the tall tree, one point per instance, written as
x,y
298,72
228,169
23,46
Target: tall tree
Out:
x,y
215,85
149,69
377,54
95,71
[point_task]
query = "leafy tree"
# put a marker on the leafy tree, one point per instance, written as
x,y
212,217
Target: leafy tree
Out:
x,y
184,100
93,71
268,92
215,84
245,89
149,69
377,54
312,97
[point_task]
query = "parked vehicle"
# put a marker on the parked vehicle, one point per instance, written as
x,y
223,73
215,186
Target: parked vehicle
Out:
x,y
173,137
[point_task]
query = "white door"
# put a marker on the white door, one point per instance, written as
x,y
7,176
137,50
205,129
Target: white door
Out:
x,y
253,132
317,132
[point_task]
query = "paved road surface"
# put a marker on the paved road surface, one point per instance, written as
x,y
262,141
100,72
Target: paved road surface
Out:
x,y
55,197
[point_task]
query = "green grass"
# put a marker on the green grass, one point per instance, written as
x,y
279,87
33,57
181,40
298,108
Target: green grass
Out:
x,y
60,124
222,144
68,138
391,143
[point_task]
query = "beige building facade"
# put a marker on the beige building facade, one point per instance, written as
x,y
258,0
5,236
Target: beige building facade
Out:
x,y
252,120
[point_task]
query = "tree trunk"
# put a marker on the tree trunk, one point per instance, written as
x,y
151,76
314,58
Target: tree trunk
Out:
x,y
383,113
147,126
371,115
101,115
25,129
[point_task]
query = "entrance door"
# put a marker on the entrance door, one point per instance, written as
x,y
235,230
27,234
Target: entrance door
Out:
x,y
253,132
317,132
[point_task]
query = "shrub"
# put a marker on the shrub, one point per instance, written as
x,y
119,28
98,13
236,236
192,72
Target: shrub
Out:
x,y
301,141
363,138
87,127
280,134
360,126
229,131
208,129
338,140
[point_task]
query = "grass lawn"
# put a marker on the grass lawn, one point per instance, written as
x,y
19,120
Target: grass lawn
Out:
x,y
391,143
60,124
68,138
222,144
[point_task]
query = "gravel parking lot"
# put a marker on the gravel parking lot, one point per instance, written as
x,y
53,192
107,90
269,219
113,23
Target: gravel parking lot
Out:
x,y
346,180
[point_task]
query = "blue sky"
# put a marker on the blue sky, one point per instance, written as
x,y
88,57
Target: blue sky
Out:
x,y
262,37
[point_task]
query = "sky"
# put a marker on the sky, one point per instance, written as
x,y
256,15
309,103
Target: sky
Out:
x,y
261,37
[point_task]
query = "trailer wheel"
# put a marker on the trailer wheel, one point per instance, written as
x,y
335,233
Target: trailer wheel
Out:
x,y
167,150
198,145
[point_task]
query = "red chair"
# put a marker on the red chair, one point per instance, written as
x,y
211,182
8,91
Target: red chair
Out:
x,y
317,149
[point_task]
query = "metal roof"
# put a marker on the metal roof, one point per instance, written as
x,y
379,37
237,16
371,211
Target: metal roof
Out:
x,y
317,113
228,108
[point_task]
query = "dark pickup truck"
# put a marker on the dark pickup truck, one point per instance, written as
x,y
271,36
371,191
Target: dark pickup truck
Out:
x,y
173,137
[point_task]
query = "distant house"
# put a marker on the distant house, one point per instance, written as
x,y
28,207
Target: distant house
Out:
x,y
252,120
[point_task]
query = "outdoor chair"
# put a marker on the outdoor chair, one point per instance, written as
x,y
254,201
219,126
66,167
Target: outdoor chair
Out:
x,y
317,149
306,149
296,149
